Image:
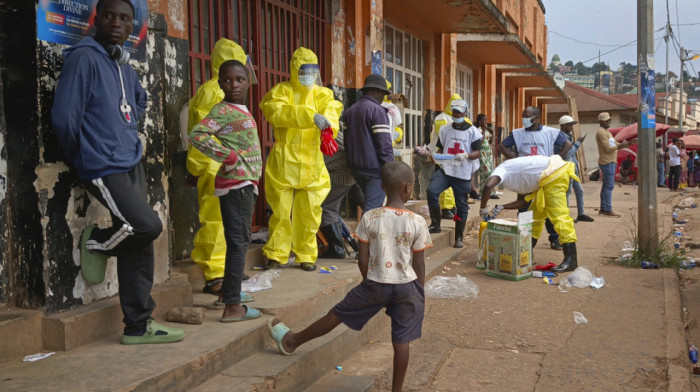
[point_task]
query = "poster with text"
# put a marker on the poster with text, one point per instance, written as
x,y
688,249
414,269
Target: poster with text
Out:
x,y
648,91
68,21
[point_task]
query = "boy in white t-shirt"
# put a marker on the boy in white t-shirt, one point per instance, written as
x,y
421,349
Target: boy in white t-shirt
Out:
x,y
391,260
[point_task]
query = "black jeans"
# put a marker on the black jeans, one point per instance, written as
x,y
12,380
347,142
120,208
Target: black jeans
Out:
x,y
130,238
674,175
237,217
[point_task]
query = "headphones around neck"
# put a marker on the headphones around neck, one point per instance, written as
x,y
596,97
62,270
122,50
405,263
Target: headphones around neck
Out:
x,y
118,53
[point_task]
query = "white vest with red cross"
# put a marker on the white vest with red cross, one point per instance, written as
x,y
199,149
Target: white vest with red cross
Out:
x,y
455,141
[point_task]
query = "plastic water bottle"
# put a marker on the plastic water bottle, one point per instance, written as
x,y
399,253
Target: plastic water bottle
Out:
x,y
688,264
693,354
649,265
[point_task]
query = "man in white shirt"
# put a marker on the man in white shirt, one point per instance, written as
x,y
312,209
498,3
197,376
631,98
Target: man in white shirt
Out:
x,y
674,157
461,142
542,181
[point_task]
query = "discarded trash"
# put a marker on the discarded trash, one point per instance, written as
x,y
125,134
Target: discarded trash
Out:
x,y
547,280
627,247
564,285
425,210
687,202
37,357
581,277
339,368
258,268
446,268
624,257
693,354
262,281
597,283
649,265
688,264
333,268
457,287
541,274
579,318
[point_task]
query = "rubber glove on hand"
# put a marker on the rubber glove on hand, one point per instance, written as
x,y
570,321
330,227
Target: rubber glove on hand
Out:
x,y
484,214
496,210
321,121
462,156
328,144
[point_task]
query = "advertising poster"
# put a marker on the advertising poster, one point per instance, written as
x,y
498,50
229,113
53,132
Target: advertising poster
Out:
x,y
647,89
67,21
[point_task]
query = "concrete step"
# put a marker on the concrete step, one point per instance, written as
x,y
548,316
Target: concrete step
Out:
x,y
267,369
338,382
21,332
67,330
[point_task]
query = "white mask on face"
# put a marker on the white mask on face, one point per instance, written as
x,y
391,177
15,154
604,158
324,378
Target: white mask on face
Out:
x,y
307,80
458,120
527,122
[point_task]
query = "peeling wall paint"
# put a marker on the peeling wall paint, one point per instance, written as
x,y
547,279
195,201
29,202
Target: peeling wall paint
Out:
x,y
46,205
177,15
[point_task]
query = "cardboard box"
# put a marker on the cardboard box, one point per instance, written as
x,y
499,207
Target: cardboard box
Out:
x,y
509,247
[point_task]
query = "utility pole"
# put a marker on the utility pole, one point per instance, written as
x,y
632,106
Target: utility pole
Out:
x,y
648,233
684,58
681,108
668,95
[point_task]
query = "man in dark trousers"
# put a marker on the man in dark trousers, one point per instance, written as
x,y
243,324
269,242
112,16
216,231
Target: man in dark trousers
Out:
x,y
97,107
368,140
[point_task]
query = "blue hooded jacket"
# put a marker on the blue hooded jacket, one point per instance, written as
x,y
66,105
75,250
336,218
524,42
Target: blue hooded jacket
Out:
x,y
94,134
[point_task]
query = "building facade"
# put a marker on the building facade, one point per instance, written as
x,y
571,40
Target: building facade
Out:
x,y
492,52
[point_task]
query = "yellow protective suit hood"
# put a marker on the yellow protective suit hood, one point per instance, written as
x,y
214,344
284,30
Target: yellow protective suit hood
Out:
x,y
209,243
300,57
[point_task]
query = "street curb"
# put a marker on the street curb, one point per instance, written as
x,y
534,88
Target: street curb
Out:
x,y
677,373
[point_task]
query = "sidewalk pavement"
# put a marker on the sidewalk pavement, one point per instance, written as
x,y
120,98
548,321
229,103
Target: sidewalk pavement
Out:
x,y
521,336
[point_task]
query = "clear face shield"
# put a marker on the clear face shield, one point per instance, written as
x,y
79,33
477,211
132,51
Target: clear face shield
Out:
x,y
251,72
309,74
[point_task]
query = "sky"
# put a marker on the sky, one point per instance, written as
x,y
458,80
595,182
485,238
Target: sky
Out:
x,y
614,23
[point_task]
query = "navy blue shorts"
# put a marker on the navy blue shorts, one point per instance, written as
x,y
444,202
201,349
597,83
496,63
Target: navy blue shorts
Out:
x,y
404,303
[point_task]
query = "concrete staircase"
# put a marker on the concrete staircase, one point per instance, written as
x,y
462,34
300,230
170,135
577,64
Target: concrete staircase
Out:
x,y
231,357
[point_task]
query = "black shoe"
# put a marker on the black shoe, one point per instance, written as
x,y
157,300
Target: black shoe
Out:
x,y
459,233
584,218
308,267
334,236
495,197
272,264
570,262
474,195
435,217
555,245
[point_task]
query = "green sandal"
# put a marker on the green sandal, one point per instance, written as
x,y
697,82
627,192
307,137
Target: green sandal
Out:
x,y
92,264
155,333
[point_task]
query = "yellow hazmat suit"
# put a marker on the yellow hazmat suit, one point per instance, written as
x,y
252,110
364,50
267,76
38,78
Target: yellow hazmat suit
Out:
x,y
549,201
296,179
209,243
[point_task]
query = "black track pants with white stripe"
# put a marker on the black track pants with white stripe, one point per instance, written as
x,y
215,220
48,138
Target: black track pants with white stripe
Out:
x,y
135,225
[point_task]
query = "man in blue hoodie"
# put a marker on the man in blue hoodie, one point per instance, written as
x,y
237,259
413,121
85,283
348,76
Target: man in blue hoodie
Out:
x,y
98,104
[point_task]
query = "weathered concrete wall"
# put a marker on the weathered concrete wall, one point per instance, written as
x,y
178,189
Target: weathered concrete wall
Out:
x,y
4,211
47,206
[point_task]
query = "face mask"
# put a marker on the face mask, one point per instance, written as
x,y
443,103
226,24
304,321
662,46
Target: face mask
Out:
x,y
458,120
307,80
527,122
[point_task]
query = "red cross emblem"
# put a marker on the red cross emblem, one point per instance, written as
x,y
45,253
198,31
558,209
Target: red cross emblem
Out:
x,y
533,150
455,150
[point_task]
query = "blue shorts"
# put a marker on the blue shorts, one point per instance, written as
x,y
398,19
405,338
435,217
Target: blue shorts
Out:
x,y
404,303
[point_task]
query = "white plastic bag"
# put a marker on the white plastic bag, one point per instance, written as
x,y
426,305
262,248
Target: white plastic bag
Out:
x,y
457,287
579,318
564,285
597,283
262,281
581,277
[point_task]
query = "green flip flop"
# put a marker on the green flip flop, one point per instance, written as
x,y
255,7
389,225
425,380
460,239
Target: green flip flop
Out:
x,y
250,313
92,264
155,333
277,332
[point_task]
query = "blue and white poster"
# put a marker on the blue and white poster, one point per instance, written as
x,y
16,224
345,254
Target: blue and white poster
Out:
x,y
67,21
647,89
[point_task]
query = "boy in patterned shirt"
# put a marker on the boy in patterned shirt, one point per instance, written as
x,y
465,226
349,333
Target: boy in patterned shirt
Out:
x,y
236,183
391,260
